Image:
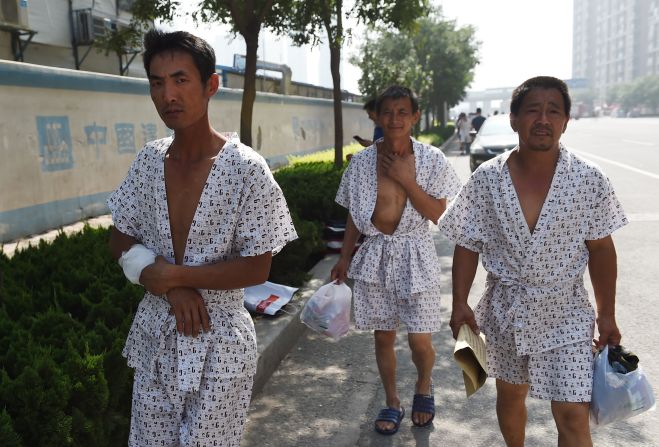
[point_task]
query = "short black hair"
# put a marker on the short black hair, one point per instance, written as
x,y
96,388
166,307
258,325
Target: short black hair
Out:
x,y
478,110
157,41
544,82
369,105
397,92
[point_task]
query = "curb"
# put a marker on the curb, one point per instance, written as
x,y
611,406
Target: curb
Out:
x,y
275,337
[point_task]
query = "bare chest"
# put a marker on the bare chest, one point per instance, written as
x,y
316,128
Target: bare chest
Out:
x,y
531,193
185,185
390,203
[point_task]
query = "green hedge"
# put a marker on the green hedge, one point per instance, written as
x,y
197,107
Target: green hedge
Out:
x,y
309,189
65,311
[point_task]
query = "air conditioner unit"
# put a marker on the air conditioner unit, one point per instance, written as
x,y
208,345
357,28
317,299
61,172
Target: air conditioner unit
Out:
x,y
88,26
14,12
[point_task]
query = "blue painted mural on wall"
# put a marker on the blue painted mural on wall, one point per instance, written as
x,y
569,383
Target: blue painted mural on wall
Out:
x,y
55,146
125,137
96,135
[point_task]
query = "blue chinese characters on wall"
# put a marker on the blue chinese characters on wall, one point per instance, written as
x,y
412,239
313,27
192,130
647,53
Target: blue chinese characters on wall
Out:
x,y
149,132
96,135
55,146
125,137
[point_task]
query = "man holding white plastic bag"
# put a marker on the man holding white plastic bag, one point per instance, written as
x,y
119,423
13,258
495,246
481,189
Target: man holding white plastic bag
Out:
x,y
538,215
393,190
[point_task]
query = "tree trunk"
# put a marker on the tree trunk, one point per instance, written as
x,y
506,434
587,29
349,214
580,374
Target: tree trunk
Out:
x,y
428,126
335,65
442,113
249,86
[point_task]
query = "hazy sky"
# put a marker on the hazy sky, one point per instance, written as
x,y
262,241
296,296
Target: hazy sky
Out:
x,y
520,38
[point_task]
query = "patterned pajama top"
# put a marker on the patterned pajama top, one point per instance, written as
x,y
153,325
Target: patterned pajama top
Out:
x,y
535,280
405,261
241,212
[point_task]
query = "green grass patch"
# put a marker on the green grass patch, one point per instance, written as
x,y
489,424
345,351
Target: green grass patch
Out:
x,y
326,155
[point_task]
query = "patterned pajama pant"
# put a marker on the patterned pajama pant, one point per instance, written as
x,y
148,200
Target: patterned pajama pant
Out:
x,y
563,374
165,417
377,308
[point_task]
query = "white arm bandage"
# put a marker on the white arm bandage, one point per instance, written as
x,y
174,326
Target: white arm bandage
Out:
x,y
134,260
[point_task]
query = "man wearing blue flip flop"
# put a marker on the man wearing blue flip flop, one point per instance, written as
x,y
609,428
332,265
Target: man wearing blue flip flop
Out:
x,y
393,189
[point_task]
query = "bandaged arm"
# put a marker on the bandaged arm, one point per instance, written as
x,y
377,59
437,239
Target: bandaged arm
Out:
x,y
135,260
133,257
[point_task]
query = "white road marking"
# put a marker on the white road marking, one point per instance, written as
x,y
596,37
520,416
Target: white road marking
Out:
x,y
642,143
617,163
643,217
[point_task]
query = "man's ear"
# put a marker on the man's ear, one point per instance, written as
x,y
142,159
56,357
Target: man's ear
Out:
x,y
212,85
513,122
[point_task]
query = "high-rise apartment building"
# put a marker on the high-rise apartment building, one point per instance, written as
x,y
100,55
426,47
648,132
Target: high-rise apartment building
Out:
x,y
615,42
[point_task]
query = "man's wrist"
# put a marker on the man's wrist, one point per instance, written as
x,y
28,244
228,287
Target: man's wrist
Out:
x,y
459,302
410,186
172,276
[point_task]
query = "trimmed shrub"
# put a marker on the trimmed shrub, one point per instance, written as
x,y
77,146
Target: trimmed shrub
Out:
x,y
310,189
65,311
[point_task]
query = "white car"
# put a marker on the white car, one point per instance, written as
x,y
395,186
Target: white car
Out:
x,y
494,138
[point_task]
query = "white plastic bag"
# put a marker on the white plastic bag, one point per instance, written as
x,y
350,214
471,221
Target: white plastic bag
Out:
x,y
617,396
328,310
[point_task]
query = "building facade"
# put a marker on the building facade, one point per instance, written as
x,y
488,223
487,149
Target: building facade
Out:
x,y
61,33
615,42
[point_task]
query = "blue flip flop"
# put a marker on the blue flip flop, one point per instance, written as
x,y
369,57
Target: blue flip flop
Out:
x,y
424,403
389,415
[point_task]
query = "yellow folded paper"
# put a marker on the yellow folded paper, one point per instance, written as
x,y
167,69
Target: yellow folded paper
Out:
x,y
469,353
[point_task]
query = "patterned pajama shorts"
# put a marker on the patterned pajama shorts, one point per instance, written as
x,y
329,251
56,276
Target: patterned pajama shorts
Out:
x,y
377,308
165,417
563,374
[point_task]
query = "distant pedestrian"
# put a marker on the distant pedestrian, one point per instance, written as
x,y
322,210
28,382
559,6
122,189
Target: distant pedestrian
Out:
x,y
478,120
377,130
393,190
201,215
463,128
538,215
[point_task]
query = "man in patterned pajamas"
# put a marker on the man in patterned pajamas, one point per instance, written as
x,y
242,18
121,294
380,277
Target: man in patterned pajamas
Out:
x,y
392,190
538,215
210,210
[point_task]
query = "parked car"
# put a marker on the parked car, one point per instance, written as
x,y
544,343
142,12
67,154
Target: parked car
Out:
x,y
495,137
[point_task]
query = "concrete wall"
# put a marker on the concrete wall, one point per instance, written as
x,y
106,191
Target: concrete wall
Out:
x,y
68,137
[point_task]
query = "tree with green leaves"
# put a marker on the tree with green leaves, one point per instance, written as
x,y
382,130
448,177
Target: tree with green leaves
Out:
x,y
246,17
452,54
435,57
315,20
396,61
